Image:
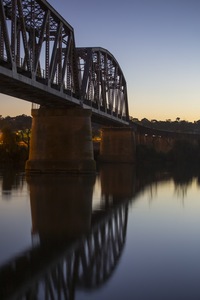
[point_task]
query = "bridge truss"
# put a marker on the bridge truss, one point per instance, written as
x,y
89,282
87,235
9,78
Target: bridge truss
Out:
x,y
103,85
38,43
40,63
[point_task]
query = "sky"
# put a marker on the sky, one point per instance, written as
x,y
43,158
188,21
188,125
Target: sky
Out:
x,y
156,43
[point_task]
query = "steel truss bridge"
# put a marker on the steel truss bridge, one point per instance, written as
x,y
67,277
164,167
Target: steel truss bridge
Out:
x,y
46,273
39,62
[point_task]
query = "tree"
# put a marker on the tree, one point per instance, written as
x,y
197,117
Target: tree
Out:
x,y
8,139
25,136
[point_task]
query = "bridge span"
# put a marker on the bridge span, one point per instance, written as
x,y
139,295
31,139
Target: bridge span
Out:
x,y
40,63
73,86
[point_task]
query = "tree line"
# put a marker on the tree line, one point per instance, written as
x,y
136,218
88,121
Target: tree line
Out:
x,y
14,138
15,134
177,125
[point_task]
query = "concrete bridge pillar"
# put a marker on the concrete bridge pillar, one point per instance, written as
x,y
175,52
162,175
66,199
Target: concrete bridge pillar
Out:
x,y
117,145
61,141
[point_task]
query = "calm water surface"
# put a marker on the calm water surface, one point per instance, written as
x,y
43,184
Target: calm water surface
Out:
x,y
122,234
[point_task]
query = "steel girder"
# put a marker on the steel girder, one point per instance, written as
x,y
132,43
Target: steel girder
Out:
x,y
103,85
37,42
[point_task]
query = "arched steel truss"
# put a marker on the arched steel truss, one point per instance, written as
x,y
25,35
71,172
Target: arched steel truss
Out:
x,y
103,85
39,42
40,63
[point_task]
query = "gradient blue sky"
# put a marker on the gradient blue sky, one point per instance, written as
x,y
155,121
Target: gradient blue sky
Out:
x,y
157,44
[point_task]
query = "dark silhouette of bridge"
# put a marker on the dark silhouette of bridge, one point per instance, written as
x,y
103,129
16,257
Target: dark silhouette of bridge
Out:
x,y
62,259
87,263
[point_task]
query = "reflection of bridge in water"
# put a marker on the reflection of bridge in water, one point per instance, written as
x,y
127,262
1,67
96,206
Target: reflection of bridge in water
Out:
x,y
44,274
73,247
77,248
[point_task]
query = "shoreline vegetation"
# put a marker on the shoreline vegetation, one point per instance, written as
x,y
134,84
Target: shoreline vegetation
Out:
x,y
15,135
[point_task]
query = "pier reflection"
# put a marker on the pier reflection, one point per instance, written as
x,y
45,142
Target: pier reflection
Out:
x,y
75,248
117,182
61,206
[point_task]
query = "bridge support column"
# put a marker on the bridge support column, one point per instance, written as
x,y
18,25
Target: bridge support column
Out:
x,y
61,141
117,145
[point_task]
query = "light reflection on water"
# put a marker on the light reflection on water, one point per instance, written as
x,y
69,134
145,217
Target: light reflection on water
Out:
x,y
139,234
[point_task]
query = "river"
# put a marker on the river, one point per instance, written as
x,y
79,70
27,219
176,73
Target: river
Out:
x,y
124,233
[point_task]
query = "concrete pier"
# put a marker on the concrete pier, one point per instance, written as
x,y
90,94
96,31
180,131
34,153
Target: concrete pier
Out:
x,y
117,145
61,141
